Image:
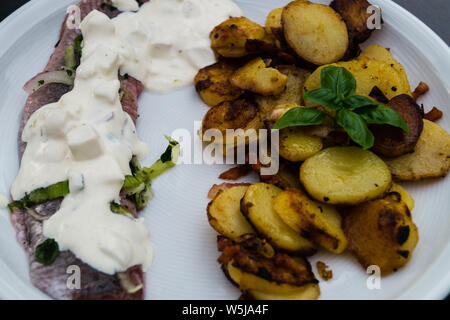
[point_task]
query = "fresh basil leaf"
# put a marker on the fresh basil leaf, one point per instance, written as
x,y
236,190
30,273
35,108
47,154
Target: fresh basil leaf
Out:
x,y
324,97
380,114
300,117
354,102
339,80
47,252
355,127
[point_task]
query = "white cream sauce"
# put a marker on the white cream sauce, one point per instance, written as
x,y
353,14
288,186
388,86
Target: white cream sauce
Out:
x,y
88,139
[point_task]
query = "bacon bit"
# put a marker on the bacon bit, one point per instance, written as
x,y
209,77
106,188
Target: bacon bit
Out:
x,y
275,180
421,89
433,115
216,188
260,46
235,173
244,297
323,271
378,95
287,57
285,261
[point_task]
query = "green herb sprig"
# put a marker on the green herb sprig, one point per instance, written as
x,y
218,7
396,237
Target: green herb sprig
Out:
x,y
353,112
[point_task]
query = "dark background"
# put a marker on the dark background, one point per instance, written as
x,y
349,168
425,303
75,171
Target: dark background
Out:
x,y
435,13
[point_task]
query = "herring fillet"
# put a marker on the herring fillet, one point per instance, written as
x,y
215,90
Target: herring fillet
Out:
x,y
53,279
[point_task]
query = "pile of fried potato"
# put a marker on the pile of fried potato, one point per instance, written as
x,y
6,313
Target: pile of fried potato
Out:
x,y
328,193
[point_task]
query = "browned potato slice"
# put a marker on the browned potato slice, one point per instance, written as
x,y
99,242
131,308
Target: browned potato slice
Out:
x,y
381,232
306,292
257,207
368,74
345,175
404,195
430,159
355,15
229,38
292,93
237,114
256,77
391,141
273,20
315,31
296,145
320,222
225,216
213,83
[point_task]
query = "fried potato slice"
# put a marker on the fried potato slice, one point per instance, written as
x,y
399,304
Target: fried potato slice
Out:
x,y
247,281
404,195
315,31
229,38
368,74
380,53
296,145
292,93
213,83
225,216
345,175
257,207
256,77
319,222
306,292
237,114
381,232
430,159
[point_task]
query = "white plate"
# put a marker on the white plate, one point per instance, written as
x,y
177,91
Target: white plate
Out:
x,y
185,264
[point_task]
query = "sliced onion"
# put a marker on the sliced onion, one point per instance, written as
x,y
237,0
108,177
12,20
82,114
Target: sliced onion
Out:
x,y
36,215
44,78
